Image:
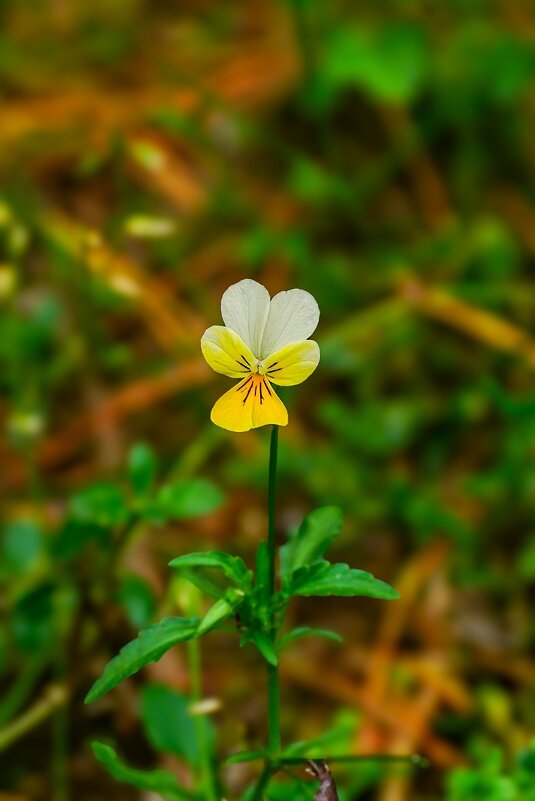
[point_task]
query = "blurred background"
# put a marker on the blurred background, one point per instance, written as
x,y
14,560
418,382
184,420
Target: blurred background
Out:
x,y
379,155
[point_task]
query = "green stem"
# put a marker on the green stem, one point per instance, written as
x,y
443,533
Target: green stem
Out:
x,y
209,788
55,697
272,486
274,734
262,782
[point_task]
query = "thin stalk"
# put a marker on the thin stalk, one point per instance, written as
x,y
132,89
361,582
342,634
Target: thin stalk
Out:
x,y
54,698
274,734
208,782
262,782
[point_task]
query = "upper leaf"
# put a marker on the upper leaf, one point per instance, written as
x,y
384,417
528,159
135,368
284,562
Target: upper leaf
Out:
x,y
155,781
339,579
150,645
311,540
233,567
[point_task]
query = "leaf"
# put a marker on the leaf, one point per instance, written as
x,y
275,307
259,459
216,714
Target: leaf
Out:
x,y
338,579
20,547
220,611
337,738
202,583
233,567
150,644
388,62
103,504
311,540
182,499
141,468
307,631
169,724
155,781
247,756
137,598
265,645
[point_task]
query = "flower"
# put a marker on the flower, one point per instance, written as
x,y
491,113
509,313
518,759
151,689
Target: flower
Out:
x,y
263,342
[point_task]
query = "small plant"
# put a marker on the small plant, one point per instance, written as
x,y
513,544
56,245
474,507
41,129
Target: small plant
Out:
x,y
264,342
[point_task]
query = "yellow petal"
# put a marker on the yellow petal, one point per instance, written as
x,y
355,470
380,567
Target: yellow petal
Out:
x,y
250,404
292,363
226,352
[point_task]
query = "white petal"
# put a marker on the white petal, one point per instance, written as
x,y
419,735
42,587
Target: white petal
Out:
x,y
293,317
244,308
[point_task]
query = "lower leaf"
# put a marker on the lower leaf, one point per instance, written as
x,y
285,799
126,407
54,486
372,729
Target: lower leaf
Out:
x,y
154,781
150,644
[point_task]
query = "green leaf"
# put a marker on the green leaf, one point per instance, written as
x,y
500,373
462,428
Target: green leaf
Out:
x,y
246,756
103,504
183,499
155,781
388,62
142,468
307,631
233,567
202,583
20,547
311,540
151,644
265,645
336,739
169,724
339,579
137,598
220,611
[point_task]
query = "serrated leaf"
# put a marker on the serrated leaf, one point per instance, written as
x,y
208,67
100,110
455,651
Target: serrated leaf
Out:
x,y
150,644
311,540
155,781
233,567
307,631
141,468
220,611
339,579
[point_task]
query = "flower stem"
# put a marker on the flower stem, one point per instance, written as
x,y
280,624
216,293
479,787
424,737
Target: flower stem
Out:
x,y
274,735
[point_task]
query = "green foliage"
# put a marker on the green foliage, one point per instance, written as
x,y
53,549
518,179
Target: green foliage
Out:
x,y
389,62
137,599
308,544
325,578
102,504
169,724
307,631
154,781
489,779
183,499
151,644
233,567
21,545
142,469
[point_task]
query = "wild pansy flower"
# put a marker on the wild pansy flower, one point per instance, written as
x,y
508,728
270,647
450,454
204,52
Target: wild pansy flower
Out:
x,y
263,342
